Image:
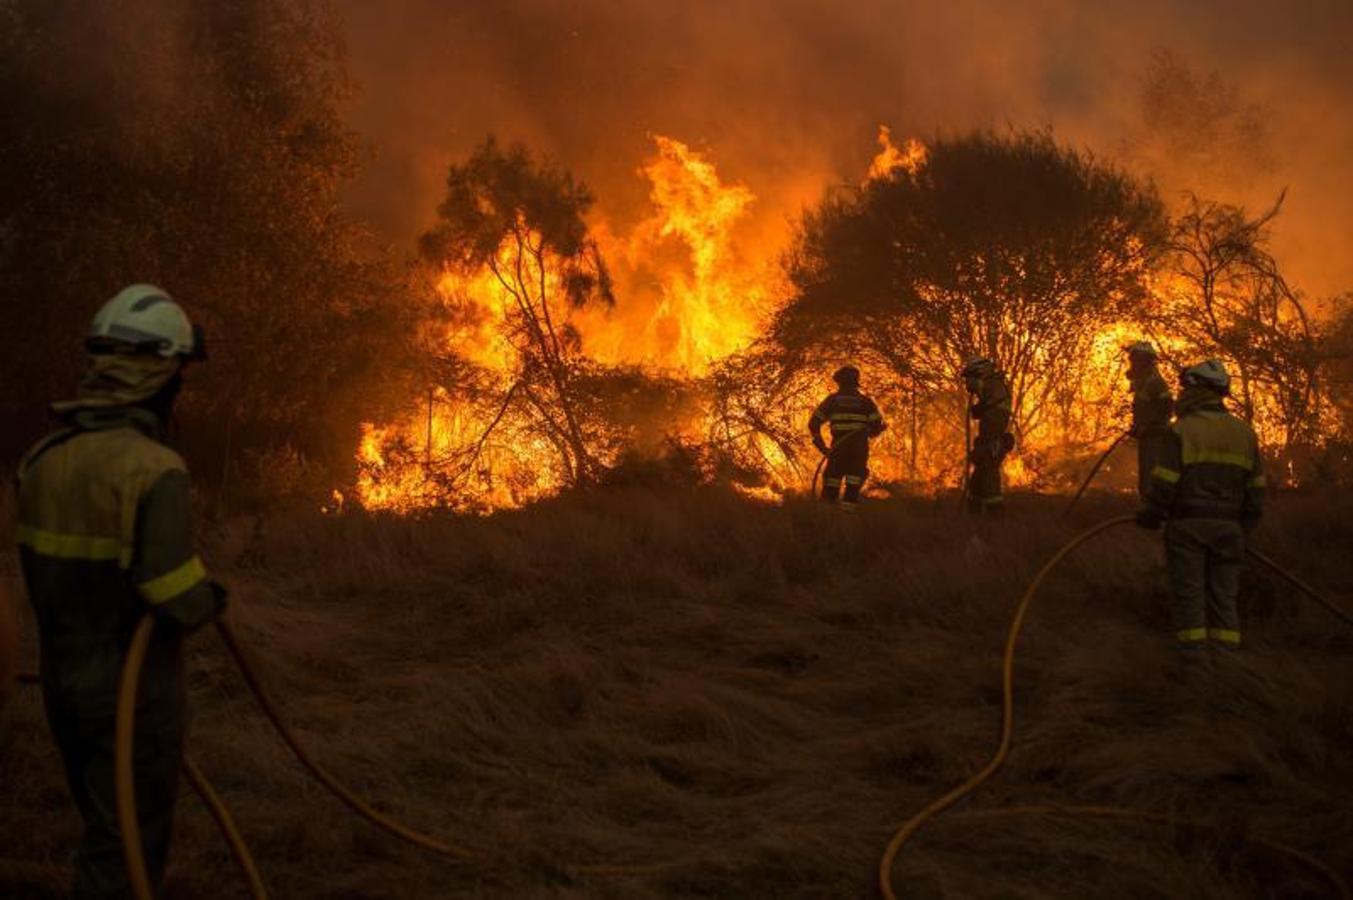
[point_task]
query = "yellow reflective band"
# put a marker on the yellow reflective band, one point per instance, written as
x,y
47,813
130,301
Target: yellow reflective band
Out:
x,y
1224,635
991,501
171,584
876,417
832,482
1191,635
1194,457
839,428
1169,476
1258,481
73,546
853,479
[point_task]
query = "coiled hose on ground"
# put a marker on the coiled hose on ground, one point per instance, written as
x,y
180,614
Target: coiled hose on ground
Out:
x,y
947,800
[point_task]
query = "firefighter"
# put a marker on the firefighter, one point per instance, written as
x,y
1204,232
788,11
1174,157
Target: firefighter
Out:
x,y
854,420
104,538
1207,489
991,410
1152,407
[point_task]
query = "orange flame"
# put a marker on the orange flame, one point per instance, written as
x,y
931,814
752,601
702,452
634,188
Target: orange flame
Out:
x,y
910,157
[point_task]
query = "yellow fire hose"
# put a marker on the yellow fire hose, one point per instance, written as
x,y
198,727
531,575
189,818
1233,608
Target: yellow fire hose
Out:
x,y
945,801
334,786
220,813
128,822
1094,470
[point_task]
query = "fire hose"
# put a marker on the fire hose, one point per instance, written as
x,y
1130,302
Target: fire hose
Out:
x,y
909,828
1094,470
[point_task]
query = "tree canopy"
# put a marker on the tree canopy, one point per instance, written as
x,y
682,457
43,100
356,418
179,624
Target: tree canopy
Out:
x,y
1010,246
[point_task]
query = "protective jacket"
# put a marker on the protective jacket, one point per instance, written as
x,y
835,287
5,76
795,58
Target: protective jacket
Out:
x,y
992,414
846,412
1152,407
1209,465
104,536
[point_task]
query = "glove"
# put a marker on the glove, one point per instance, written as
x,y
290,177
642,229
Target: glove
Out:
x,y
1150,518
821,445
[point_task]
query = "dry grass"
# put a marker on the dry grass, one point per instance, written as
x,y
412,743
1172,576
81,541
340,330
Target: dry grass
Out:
x,y
750,697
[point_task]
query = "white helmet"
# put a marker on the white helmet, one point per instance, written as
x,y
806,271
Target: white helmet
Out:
x,y
1211,374
144,319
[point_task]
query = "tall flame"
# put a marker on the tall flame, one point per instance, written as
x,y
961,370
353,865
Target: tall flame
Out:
x,y
688,297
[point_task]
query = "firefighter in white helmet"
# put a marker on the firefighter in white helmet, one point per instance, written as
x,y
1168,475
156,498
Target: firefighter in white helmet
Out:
x,y
104,538
1207,488
1152,408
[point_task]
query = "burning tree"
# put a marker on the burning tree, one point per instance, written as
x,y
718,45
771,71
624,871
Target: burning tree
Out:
x,y
1228,299
520,225
1008,246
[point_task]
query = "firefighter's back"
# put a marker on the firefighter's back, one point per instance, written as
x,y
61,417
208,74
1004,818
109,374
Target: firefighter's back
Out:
x,y
1218,453
79,494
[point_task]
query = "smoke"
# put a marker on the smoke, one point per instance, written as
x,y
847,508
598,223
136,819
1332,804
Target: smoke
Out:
x,y
786,95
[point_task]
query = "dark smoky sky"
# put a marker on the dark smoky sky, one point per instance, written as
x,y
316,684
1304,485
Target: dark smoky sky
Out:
x,y
786,95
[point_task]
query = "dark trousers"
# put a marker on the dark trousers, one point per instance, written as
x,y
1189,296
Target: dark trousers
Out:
x,y
86,745
1205,559
847,469
1148,452
985,492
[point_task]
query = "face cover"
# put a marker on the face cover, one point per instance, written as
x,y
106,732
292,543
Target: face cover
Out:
x,y
121,379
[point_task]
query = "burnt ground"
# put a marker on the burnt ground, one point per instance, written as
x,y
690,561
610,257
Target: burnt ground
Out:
x,y
750,699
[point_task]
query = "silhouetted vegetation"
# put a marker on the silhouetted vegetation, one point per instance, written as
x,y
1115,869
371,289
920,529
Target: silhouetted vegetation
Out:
x,y
200,146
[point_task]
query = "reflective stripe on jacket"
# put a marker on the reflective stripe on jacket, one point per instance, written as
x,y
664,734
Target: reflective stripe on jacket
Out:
x,y
847,412
1209,465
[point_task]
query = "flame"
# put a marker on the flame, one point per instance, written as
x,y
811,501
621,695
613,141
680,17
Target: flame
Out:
x,y
689,299
910,157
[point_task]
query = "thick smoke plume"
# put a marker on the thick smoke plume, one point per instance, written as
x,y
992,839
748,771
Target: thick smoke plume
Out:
x,y
786,95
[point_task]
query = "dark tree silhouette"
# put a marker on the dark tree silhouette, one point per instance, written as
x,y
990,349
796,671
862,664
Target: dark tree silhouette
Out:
x,y
1010,246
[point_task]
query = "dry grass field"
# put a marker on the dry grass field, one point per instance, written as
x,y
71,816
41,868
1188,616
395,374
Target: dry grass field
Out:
x,y
747,697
